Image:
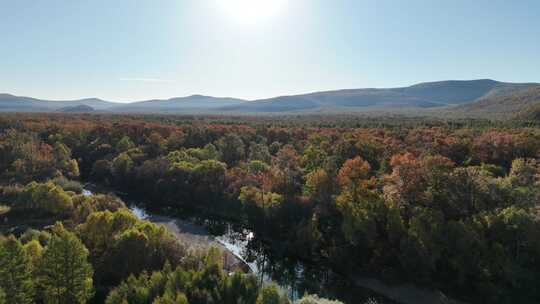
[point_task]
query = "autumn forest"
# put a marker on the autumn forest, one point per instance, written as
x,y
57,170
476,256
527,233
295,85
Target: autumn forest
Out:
x,y
445,205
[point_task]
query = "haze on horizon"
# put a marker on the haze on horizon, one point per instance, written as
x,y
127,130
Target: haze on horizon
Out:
x,y
135,50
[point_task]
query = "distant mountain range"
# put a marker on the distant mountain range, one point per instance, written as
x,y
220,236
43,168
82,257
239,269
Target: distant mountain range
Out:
x,y
467,96
77,109
423,95
11,103
194,103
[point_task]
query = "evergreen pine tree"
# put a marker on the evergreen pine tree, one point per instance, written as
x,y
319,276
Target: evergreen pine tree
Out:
x,y
65,274
15,272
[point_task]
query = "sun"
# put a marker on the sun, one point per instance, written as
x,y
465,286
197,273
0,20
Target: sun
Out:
x,y
252,12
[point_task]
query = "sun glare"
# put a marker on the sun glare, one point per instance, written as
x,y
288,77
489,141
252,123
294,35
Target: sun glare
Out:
x,y
252,11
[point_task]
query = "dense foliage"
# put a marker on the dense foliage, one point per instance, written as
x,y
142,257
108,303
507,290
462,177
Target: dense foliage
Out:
x,y
66,246
453,207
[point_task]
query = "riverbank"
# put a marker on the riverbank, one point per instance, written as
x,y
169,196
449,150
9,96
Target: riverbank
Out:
x,y
193,235
199,237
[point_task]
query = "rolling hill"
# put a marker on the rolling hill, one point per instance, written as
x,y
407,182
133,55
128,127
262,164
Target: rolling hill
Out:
x,y
11,103
423,95
189,104
454,96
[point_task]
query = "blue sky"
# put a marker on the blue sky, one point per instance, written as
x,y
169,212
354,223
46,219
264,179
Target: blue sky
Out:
x,y
140,49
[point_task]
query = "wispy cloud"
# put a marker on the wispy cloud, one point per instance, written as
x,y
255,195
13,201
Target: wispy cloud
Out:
x,y
142,79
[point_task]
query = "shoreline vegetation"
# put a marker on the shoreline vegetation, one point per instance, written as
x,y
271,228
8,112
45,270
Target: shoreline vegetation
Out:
x,y
196,235
401,293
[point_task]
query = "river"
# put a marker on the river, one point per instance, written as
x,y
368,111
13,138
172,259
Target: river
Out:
x,y
242,250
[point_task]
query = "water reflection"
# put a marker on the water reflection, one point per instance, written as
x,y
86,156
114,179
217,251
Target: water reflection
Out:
x,y
298,278
139,212
294,277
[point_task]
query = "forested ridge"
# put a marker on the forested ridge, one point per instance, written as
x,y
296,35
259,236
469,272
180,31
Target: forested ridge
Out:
x,y
446,205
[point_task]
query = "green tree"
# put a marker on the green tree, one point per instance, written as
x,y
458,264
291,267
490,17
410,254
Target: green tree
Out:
x,y
313,158
269,294
100,228
208,152
209,180
65,274
524,172
34,251
318,186
167,298
122,167
72,168
15,272
232,148
259,152
155,144
101,170
132,290
241,289
124,144
45,197
421,249
314,299
359,213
